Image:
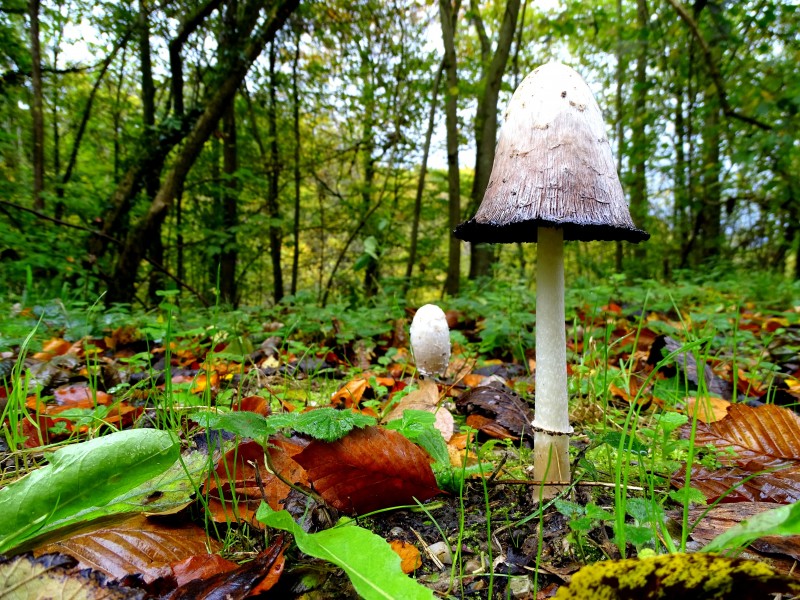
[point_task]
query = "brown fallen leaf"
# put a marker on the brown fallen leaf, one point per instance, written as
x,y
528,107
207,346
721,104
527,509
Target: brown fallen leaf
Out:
x,y
136,545
762,437
55,576
251,578
233,489
766,438
498,403
369,469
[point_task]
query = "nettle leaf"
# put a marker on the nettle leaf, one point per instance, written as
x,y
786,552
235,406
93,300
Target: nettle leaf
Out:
x,y
81,476
329,424
418,426
326,424
369,561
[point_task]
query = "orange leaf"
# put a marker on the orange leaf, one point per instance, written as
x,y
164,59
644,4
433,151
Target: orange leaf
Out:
x,y
351,394
410,559
201,566
79,396
53,347
369,469
708,410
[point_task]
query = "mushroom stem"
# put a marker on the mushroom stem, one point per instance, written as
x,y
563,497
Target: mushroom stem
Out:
x,y
551,423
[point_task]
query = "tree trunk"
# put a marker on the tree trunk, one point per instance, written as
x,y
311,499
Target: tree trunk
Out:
x,y
124,277
639,145
620,127
230,213
296,166
423,170
447,17
37,107
485,129
710,230
273,205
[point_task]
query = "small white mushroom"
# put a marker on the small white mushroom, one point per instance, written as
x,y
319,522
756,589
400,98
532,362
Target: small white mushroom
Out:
x,y
430,340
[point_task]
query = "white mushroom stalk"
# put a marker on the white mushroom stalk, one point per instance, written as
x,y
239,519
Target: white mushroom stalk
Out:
x,y
551,423
430,341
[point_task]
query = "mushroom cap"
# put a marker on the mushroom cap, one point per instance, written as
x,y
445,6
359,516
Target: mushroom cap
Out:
x,y
430,340
553,167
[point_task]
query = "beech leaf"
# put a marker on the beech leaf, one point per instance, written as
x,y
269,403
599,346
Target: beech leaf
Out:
x,y
369,561
369,469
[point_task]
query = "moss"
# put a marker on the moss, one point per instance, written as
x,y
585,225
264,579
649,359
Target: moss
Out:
x,y
697,576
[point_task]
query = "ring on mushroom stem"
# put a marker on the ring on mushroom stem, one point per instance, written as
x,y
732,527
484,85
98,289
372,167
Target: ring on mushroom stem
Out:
x,y
553,180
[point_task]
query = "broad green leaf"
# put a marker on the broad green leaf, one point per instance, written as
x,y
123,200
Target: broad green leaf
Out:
x,y
79,477
370,563
784,520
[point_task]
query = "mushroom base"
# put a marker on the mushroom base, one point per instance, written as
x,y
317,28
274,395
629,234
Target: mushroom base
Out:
x,y
551,463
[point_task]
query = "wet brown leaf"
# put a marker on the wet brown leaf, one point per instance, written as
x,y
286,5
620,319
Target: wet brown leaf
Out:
x,y
369,469
762,438
511,414
134,545
233,490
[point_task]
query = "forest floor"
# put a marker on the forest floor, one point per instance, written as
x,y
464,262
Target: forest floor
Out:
x,y
683,406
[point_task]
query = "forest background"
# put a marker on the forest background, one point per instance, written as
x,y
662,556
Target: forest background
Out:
x,y
248,152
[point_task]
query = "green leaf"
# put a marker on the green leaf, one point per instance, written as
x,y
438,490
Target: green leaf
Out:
x,y
370,563
330,424
79,477
418,426
327,424
784,520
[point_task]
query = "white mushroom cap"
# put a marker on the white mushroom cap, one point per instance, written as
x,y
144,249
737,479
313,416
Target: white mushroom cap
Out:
x,y
430,340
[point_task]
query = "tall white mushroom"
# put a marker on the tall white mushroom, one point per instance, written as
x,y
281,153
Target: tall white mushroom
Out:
x,y
553,179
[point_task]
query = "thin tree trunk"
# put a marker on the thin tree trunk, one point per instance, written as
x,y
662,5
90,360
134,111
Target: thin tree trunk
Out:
x,y
423,170
230,214
620,126
273,206
485,129
447,17
639,145
37,106
296,166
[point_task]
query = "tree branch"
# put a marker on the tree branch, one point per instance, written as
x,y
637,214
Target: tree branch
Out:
x,y
713,70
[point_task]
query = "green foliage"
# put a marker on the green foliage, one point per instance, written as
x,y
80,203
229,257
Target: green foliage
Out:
x,y
326,424
82,477
367,559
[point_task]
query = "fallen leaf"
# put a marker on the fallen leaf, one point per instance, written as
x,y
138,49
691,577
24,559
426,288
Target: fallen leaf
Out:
x,y
134,545
350,394
512,415
709,410
54,576
251,578
233,490
762,438
369,469
410,559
